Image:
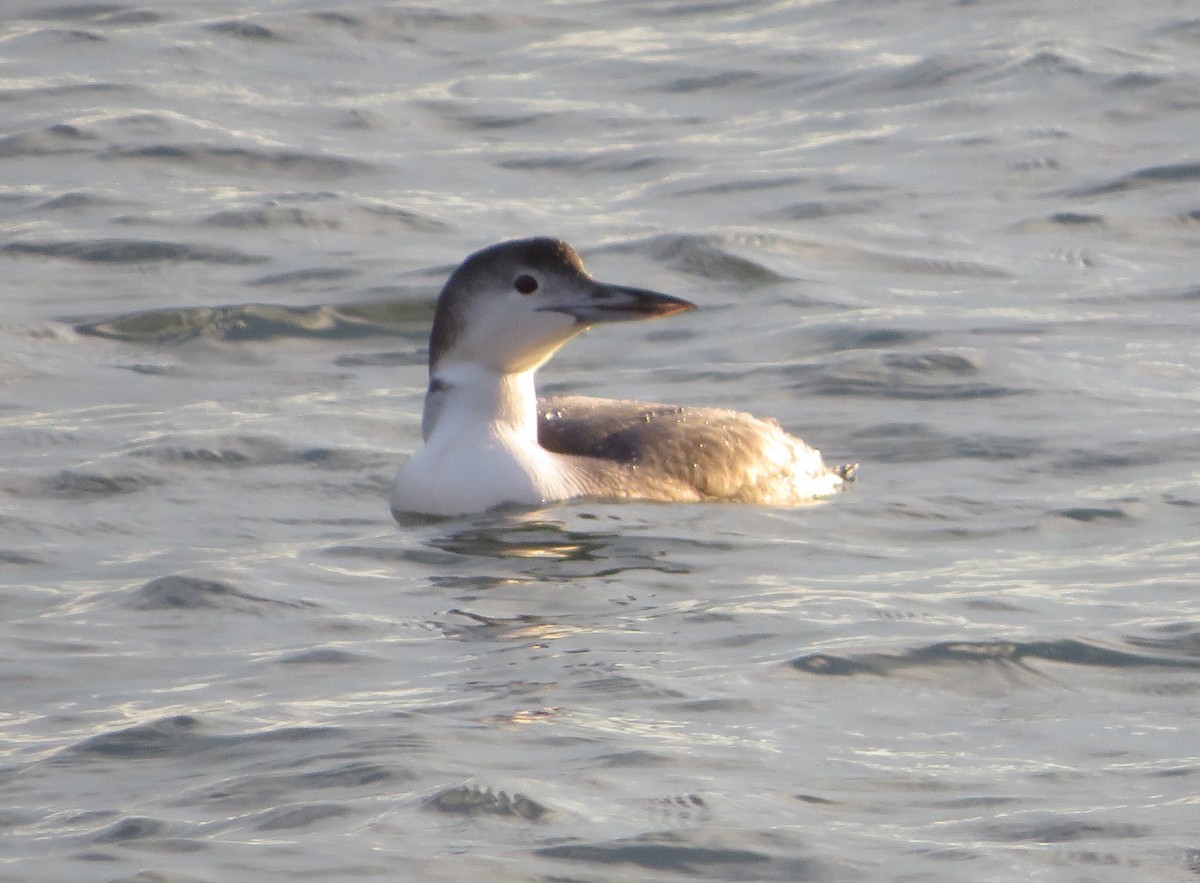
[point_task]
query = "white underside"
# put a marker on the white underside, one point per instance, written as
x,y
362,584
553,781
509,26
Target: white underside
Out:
x,y
482,451
459,473
481,447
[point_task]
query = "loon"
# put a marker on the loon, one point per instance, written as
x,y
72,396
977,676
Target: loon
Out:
x,y
489,440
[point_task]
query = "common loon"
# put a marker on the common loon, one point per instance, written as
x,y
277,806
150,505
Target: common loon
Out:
x,y
490,440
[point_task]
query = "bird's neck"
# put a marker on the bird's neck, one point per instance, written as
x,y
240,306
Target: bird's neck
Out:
x,y
468,398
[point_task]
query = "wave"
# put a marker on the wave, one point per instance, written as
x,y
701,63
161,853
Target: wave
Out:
x,y
109,13
929,376
269,788
247,451
608,161
359,215
261,322
673,852
75,484
400,23
244,160
960,653
921,443
1151,176
703,256
244,30
178,592
129,251
471,800
304,276
57,139
36,93
181,736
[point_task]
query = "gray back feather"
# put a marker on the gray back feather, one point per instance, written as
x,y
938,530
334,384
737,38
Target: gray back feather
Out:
x,y
690,453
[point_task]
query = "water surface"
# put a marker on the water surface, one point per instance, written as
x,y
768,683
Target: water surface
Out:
x,y
956,244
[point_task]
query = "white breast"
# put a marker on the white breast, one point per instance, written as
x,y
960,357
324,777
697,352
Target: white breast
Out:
x,y
462,470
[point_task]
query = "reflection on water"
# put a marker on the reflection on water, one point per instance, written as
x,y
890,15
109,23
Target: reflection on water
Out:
x,y
525,536
947,241
542,547
523,628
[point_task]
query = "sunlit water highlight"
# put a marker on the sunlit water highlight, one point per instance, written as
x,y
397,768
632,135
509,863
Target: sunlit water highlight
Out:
x,y
953,243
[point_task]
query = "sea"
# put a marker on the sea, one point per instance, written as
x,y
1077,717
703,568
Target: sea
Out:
x,y
955,242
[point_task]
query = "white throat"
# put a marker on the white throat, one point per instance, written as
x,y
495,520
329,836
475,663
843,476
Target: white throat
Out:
x,y
481,447
467,397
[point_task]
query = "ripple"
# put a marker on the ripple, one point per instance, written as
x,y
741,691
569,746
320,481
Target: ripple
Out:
x,y
1058,830
1092,514
244,450
1059,220
401,23
663,853
247,322
178,592
1115,455
935,375
677,809
182,736
938,71
550,551
396,359
702,256
270,217
1181,639
243,30
606,161
920,443
324,656
487,119
740,185
245,160
18,558
113,13
634,758
176,736
41,93
79,485
1187,30
710,82
132,828
958,653
1151,176
623,685
305,276
471,800
130,251
363,217
814,210
269,790
75,199
388,554
400,218
522,627
546,540
286,818
45,142
853,337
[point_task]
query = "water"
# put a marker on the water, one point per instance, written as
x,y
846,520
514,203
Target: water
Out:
x,y
954,243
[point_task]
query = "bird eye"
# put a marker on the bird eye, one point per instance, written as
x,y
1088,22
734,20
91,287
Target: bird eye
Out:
x,y
525,284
